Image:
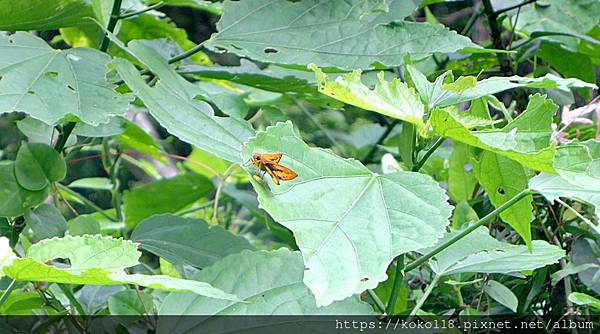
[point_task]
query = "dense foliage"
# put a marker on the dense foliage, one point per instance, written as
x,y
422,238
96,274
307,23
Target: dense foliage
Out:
x,y
447,157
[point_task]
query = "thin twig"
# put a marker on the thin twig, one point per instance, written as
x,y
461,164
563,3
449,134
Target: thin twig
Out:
x,y
398,280
142,11
508,9
425,295
579,215
427,154
87,202
383,136
321,127
377,301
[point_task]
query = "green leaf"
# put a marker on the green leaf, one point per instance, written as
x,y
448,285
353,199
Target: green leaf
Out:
x,y
130,302
133,137
343,34
112,128
436,95
580,298
84,224
501,294
463,214
187,241
526,139
97,183
566,16
478,252
394,99
272,78
42,14
14,199
461,178
46,222
38,165
158,197
502,179
339,210
572,269
23,303
569,64
93,298
172,102
56,85
96,260
36,131
578,166
268,283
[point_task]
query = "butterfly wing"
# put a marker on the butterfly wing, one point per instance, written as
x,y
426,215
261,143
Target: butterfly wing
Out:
x,y
271,158
283,173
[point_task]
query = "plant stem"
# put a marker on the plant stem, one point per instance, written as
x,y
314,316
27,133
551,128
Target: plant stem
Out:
x,y
310,116
425,295
222,181
74,302
196,208
112,23
496,35
8,291
383,136
64,136
468,230
585,220
429,152
186,54
508,9
87,202
377,301
398,280
114,179
147,9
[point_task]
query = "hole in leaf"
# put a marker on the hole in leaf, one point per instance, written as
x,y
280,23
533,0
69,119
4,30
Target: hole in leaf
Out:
x,y
51,74
364,279
71,87
10,40
468,168
306,268
270,50
30,92
501,191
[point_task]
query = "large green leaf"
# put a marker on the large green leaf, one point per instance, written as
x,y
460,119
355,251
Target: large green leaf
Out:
x,y
14,199
53,85
502,179
187,241
43,14
478,252
526,139
344,34
158,197
348,222
96,260
578,166
394,99
172,102
268,283
438,94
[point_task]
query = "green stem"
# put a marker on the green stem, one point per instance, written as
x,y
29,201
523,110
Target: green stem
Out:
x,y
187,53
406,148
398,281
194,209
64,136
310,116
114,179
429,152
222,181
468,230
508,9
87,202
8,291
380,305
496,36
112,23
425,295
147,9
74,302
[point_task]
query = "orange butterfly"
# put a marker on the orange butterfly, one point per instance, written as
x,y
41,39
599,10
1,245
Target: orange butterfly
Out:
x,y
269,162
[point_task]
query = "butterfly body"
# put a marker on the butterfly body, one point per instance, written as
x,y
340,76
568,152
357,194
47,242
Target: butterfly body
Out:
x,y
269,163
